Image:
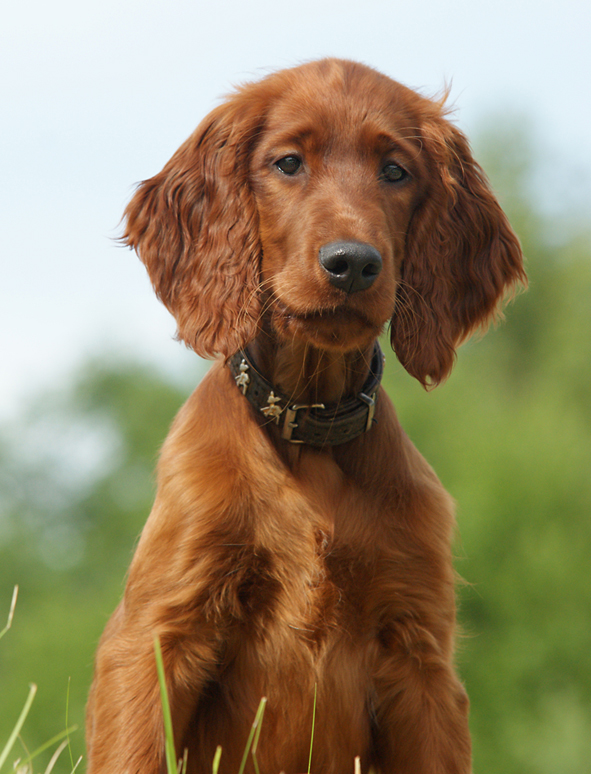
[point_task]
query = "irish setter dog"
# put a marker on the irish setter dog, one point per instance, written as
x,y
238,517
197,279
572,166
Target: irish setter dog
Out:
x,y
298,540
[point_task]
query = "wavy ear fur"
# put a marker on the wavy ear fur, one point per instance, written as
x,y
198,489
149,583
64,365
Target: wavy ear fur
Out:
x,y
461,259
195,227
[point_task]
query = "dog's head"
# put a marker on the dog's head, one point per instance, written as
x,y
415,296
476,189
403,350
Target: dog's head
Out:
x,y
330,200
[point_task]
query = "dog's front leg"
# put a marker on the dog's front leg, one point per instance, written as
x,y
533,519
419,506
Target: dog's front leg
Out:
x,y
125,731
167,596
421,708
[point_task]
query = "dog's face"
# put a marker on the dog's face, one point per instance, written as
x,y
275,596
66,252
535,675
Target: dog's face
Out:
x,y
322,203
339,163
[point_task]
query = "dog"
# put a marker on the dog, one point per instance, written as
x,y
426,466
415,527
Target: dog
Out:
x,y
299,545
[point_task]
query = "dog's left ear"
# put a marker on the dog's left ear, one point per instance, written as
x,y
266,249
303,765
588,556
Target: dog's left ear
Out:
x,y
462,258
195,227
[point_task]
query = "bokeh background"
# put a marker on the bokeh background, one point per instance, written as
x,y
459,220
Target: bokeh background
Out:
x,y
95,97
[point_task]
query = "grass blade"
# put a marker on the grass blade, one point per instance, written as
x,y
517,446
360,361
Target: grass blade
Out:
x,y
216,760
10,612
19,724
55,756
168,733
50,743
258,723
253,729
313,726
67,717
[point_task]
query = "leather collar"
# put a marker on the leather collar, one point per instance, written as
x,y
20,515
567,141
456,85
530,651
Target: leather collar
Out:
x,y
316,424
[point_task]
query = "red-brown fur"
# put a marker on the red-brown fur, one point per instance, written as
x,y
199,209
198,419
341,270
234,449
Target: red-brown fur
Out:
x,y
266,568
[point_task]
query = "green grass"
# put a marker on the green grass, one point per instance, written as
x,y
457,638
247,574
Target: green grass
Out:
x,y
23,765
173,765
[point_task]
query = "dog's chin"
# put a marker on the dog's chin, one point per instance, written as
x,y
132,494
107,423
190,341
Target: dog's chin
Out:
x,y
338,330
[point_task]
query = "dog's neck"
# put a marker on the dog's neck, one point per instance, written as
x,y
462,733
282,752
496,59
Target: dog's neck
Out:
x,y
310,375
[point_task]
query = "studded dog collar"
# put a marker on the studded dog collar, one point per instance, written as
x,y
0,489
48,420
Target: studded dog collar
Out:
x,y
315,424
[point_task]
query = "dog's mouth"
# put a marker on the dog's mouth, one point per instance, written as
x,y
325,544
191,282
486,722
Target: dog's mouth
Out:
x,y
337,314
337,327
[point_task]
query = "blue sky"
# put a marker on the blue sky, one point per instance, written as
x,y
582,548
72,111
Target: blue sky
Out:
x,y
97,96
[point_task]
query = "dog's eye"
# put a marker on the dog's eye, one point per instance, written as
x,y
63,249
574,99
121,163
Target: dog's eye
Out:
x,y
289,165
392,173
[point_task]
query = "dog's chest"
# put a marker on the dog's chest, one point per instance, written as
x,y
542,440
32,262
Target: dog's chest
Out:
x,y
305,634
309,590
328,561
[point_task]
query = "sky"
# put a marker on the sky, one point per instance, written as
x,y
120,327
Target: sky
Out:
x,y
97,95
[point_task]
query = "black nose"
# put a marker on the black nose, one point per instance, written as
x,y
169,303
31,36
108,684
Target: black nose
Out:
x,y
351,266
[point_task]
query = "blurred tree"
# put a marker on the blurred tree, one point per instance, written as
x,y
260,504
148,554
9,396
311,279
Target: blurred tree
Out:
x,y
76,483
509,435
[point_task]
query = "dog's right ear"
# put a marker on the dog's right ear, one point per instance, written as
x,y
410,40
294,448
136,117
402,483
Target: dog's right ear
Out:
x,y
195,227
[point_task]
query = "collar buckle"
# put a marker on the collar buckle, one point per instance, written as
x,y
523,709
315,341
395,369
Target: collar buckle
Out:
x,y
370,401
289,423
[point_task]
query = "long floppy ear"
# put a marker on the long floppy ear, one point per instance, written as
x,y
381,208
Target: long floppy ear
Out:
x,y
195,227
462,258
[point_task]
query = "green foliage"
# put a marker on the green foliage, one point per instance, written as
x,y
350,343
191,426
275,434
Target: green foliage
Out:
x,y
76,484
509,435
